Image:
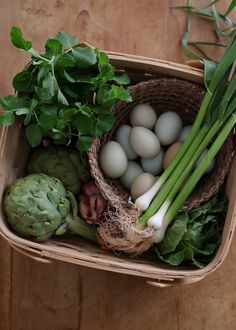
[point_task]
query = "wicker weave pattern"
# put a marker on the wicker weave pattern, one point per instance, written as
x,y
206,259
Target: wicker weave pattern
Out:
x,y
163,94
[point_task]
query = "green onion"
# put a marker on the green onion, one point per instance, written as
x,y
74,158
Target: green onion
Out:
x,y
216,116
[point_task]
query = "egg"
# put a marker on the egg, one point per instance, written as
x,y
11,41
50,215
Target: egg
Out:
x,y
168,127
171,153
184,133
144,142
113,159
133,170
210,167
141,184
122,137
153,165
143,115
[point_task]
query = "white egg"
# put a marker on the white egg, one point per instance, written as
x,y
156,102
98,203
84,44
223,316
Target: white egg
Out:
x,y
168,127
210,167
184,133
133,170
143,115
113,159
141,184
144,142
122,137
153,165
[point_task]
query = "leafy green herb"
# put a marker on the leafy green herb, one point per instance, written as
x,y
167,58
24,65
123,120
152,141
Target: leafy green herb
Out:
x,y
194,236
66,93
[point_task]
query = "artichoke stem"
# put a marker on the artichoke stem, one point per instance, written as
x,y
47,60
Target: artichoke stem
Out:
x,y
80,227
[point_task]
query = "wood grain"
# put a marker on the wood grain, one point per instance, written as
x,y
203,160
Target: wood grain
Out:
x,y
61,296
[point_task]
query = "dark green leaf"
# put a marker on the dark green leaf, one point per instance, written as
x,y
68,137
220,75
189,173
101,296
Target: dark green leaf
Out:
x,y
14,102
61,98
120,93
106,122
50,85
122,80
67,113
22,111
173,259
43,72
18,40
84,56
47,121
196,240
7,118
103,59
33,134
174,234
53,47
84,124
85,78
27,119
49,109
84,109
67,40
23,82
71,92
69,77
65,61
83,143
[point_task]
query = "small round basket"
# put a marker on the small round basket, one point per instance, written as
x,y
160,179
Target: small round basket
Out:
x,y
164,94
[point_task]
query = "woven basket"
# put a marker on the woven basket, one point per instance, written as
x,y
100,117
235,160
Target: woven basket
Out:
x,y
71,249
164,94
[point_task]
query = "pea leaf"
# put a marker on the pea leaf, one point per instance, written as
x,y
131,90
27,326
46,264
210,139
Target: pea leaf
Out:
x,y
22,111
65,61
122,79
18,40
84,124
13,102
103,59
68,91
47,121
84,56
43,72
69,77
83,143
53,47
23,82
61,98
33,134
106,122
66,40
50,109
7,118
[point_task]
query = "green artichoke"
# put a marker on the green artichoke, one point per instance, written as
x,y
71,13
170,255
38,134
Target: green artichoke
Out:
x,y
38,206
67,165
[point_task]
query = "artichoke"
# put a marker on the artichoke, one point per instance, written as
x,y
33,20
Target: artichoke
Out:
x,y
38,206
67,165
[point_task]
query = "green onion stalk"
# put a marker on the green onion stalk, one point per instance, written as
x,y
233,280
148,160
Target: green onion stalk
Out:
x,y
216,116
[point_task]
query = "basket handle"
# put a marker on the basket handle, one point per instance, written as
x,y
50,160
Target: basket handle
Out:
x,y
30,254
163,283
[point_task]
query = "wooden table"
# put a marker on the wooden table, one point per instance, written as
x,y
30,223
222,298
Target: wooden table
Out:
x,y
61,296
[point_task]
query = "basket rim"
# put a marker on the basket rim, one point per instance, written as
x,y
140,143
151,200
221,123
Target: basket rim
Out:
x,y
113,263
